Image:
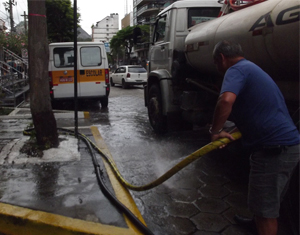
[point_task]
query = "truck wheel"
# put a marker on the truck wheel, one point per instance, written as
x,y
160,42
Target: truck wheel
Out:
x,y
157,120
104,102
111,82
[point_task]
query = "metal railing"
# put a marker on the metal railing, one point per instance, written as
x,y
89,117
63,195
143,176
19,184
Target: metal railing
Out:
x,y
13,78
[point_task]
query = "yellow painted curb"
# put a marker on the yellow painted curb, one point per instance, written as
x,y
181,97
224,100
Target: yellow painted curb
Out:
x,y
121,192
17,220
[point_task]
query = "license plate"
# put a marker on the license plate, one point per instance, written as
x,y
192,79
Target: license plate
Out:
x,y
66,79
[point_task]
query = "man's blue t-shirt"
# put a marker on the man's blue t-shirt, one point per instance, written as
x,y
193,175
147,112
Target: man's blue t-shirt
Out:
x,y
259,111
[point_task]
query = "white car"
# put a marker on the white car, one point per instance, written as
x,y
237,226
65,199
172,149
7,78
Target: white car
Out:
x,y
127,75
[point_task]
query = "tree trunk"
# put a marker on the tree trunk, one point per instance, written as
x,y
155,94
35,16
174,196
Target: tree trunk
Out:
x,y
40,104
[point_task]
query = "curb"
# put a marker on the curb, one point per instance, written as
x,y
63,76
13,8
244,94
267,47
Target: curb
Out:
x,y
22,221
57,115
16,220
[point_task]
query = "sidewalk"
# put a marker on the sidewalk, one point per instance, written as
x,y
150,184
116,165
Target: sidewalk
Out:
x,y
58,193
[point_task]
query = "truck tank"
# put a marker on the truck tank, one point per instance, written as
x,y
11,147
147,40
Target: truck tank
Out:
x,y
269,35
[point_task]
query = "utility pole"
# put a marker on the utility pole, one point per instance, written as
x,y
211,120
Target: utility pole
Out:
x,y
9,7
25,22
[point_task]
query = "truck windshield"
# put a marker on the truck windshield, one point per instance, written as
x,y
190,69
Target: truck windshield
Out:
x,y
202,14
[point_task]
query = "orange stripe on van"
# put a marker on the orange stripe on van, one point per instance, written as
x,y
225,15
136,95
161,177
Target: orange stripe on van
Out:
x,y
67,76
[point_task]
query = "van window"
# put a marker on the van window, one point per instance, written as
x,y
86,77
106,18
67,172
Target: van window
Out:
x,y
63,57
90,56
202,14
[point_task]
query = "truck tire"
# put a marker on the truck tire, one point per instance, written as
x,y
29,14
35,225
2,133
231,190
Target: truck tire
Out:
x,y
111,82
157,120
104,102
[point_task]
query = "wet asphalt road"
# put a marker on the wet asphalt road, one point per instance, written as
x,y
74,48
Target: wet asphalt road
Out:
x,y
200,199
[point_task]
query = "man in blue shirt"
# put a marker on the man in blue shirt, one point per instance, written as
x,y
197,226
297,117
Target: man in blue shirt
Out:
x,y
253,100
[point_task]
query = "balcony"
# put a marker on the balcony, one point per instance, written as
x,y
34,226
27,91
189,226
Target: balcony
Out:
x,y
140,3
149,9
146,20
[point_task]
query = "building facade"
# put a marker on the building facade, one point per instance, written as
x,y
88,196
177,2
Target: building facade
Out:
x,y
144,12
127,20
106,28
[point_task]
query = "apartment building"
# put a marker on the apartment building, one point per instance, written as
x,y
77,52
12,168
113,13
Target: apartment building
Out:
x,y
144,12
127,20
106,28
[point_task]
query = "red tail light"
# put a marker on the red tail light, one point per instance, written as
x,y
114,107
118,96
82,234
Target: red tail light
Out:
x,y
128,75
106,76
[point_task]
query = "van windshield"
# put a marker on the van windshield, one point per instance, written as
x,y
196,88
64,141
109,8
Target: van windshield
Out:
x,y
202,14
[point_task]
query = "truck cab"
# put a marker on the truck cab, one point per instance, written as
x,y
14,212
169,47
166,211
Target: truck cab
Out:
x,y
168,68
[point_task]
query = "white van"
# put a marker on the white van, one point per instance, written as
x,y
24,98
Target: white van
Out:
x,y
92,71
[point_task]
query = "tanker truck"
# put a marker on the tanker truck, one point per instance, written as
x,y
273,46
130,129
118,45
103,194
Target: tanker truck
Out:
x,y
183,83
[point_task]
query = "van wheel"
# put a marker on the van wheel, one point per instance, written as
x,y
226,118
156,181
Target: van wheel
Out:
x,y
124,85
104,102
157,120
111,82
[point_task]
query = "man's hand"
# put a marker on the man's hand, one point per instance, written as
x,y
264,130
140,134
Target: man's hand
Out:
x,y
222,134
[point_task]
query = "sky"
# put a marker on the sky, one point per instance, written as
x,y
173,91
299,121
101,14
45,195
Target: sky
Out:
x,y
91,11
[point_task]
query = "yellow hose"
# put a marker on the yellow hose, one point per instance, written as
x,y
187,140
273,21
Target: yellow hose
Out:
x,y
189,159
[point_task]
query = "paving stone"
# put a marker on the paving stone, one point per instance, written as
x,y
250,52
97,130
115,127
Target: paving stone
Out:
x,y
236,230
229,214
234,187
238,200
181,209
155,199
212,180
205,233
211,205
185,195
182,226
210,222
186,181
214,191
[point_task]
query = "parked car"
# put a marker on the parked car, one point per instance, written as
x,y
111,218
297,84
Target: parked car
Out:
x,y
127,75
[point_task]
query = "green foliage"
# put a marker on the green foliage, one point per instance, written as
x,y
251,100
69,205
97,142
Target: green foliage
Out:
x,y
60,20
14,42
124,40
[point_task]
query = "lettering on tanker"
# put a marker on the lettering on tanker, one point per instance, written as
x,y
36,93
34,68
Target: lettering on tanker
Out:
x,y
286,16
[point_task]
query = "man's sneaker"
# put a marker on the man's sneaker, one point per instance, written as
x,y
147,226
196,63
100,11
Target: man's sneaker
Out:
x,y
247,223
